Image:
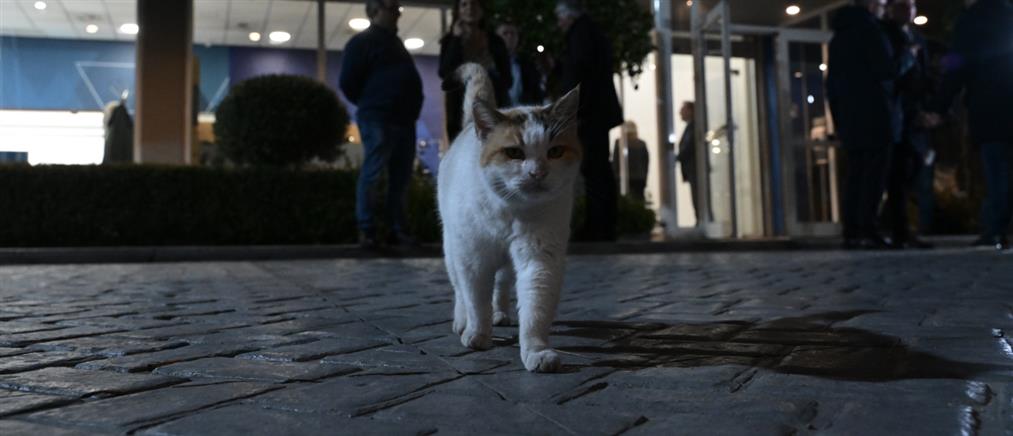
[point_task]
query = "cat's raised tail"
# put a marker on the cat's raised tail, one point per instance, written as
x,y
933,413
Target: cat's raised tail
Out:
x,y
477,87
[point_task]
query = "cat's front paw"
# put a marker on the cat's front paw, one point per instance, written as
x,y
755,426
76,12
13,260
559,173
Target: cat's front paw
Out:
x,y
460,323
475,340
500,318
546,360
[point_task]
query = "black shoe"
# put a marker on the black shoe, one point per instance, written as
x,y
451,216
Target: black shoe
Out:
x,y
396,239
367,241
876,242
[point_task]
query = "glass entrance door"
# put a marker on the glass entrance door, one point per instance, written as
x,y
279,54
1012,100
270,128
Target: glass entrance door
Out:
x,y
809,155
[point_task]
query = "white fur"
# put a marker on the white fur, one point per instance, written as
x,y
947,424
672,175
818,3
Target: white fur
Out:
x,y
501,235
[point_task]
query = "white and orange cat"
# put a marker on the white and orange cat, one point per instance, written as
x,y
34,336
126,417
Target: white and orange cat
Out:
x,y
505,192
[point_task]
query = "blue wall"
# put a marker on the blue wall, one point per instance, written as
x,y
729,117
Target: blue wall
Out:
x,y
58,74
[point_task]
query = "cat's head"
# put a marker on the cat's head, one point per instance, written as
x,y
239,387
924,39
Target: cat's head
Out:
x,y
530,154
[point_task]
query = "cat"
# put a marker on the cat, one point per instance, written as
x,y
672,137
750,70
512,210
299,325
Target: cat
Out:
x,y
505,190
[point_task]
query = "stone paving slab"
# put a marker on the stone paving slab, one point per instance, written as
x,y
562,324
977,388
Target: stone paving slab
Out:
x,y
710,343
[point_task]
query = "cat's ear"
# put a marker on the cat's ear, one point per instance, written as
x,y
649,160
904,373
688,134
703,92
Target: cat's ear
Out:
x,y
564,110
486,117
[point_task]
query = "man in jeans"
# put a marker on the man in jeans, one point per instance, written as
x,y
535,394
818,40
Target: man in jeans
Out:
x,y
379,77
982,63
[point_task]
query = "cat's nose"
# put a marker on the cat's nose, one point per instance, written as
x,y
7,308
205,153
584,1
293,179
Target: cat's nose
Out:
x,y
538,174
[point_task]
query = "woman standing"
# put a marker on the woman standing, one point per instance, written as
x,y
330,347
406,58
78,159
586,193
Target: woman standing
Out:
x,y
470,41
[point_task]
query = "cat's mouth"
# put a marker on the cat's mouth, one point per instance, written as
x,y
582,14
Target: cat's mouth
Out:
x,y
534,188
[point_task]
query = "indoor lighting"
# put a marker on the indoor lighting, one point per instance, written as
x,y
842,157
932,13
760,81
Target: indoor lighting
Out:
x,y
716,150
540,48
793,10
40,6
715,142
130,28
414,43
279,37
689,3
810,99
358,24
91,28
255,36
823,67
400,9
921,20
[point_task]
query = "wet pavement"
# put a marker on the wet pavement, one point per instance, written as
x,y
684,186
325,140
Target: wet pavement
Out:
x,y
916,343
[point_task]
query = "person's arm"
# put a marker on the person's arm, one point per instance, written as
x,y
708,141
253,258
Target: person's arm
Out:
x,y
353,70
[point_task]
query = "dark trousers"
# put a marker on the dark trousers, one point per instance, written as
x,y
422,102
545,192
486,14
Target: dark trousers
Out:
x,y
863,189
390,146
637,187
903,162
997,212
599,186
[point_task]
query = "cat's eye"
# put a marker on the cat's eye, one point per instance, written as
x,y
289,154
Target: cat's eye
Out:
x,y
514,153
556,152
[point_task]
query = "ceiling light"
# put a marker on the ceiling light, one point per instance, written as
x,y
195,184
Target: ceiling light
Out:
x,y
255,36
921,20
414,43
91,28
798,74
279,37
359,24
823,67
400,9
810,99
793,10
130,28
540,48
689,3
716,150
40,6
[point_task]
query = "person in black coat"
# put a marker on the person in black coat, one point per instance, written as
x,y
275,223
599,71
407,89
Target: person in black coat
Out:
x,y
527,88
912,155
687,161
469,41
863,69
586,60
982,63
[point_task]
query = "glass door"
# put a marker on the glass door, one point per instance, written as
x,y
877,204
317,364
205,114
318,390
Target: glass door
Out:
x,y
809,155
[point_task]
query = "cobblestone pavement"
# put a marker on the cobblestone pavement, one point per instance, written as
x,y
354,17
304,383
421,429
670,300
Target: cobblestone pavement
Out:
x,y
750,343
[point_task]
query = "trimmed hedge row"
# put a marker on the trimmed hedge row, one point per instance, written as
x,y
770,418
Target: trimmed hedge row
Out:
x,y
163,205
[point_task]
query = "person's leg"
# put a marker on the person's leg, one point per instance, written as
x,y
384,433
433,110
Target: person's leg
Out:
x,y
877,164
377,152
897,193
600,184
402,160
853,183
637,189
996,166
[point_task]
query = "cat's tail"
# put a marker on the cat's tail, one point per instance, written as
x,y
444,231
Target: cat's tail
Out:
x,y
477,86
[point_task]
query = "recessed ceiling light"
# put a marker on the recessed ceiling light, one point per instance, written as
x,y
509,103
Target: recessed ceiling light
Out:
x,y
792,10
255,36
921,20
823,67
540,48
130,28
689,3
91,28
359,24
40,6
400,8
279,37
414,43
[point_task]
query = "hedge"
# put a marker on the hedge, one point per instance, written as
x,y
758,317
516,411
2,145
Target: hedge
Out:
x,y
163,205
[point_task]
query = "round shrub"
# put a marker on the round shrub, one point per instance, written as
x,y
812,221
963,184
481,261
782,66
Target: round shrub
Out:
x,y
280,120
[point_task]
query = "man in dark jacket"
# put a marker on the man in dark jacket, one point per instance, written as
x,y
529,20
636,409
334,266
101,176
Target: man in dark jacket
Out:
x,y
687,161
379,77
638,161
527,85
912,155
860,86
587,61
982,63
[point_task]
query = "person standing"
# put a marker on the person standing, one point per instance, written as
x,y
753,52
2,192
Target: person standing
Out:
x,y
638,160
470,41
860,88
527,80
379,77
912,155
586,60
982,64
687,160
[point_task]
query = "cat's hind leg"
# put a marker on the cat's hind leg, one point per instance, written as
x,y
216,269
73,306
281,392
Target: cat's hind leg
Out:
x,y
506,280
